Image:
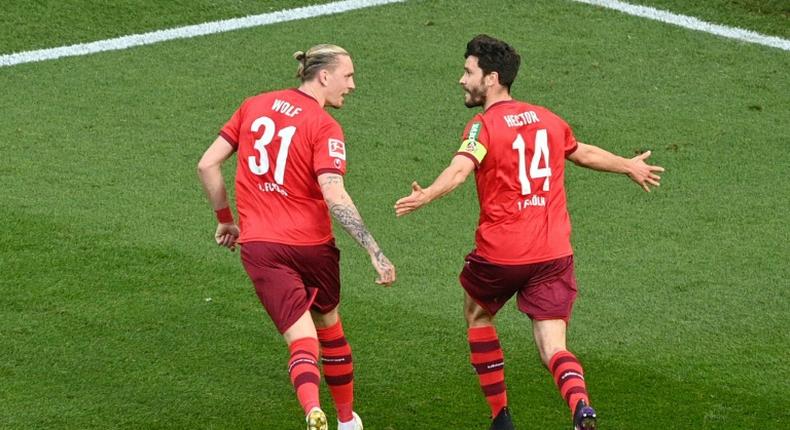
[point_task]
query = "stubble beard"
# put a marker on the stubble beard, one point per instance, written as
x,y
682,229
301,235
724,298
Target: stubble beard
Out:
x,y
475,96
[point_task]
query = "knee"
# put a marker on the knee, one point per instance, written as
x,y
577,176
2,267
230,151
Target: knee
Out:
x,y
325,320
477,318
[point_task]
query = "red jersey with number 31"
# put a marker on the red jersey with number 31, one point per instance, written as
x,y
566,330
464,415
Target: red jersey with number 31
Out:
x,y
284,140
519,150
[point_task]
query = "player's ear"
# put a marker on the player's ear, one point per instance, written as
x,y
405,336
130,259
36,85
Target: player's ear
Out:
x,y
492,79
323,77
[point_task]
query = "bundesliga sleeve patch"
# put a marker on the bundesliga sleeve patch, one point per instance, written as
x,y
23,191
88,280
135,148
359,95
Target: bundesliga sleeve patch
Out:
x,y
474,148
337,149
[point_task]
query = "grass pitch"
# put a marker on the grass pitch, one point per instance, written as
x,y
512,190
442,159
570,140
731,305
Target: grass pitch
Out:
x,y
116,311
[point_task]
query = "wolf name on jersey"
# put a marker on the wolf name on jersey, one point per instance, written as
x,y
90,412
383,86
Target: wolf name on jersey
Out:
x,y
284,140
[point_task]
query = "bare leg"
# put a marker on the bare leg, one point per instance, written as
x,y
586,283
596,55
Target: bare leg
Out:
x,y
476,315
303,327
325,320
549,338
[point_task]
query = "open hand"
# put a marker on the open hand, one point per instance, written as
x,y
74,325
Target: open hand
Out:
x,y
644,174
411,203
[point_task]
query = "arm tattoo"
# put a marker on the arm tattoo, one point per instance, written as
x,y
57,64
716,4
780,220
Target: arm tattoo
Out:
x,y
329,180
344,211
348,216
382,260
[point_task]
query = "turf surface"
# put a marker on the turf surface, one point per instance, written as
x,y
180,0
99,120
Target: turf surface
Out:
x,y
117,312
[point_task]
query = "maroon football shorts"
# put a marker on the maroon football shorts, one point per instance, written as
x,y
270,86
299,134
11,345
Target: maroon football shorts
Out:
x,y
291,279
546,290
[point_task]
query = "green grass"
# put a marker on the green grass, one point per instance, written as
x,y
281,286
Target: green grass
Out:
x,y
771,17
106,258
42,24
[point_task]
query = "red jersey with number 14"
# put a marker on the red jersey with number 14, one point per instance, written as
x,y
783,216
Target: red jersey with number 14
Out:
x,y
284,140
520,151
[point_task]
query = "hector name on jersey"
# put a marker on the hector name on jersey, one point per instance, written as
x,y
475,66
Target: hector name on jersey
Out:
x,y
284,140
519,150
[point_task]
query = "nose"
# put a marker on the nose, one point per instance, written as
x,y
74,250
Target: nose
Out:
x,y
351,85
461,81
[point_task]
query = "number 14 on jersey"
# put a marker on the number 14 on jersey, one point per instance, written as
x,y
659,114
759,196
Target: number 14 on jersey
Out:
x,y
540,158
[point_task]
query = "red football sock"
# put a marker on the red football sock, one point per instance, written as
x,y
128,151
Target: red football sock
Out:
x,y
338,369
303,368
569,376
489,363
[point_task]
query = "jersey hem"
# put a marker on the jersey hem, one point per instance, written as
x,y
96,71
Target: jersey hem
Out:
x,y
227,137
520,262
322,171
285,242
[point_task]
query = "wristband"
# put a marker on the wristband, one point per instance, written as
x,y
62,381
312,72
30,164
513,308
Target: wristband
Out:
x,y
224,215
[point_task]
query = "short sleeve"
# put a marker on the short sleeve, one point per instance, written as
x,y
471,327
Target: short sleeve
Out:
x,y
474,141
230,131
329,149
570,141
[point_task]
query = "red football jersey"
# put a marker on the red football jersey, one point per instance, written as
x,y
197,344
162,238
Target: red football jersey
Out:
x,y
519,150
284,140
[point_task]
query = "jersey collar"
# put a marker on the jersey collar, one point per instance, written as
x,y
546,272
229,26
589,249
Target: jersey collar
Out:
x,y
298,91
499,103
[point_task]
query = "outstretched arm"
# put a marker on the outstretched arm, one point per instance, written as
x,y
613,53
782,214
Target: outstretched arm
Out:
x,y
596,158
454,175
210,174
345,212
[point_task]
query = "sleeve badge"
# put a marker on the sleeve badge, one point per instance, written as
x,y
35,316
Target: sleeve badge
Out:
x,y
337,149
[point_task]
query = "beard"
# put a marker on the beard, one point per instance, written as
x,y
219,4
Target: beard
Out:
x,y
475,96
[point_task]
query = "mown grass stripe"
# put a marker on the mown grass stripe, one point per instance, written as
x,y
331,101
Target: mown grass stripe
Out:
x,y
214,27
692,23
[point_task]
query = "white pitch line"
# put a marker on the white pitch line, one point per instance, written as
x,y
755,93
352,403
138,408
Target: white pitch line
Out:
x,y
692,23
125,42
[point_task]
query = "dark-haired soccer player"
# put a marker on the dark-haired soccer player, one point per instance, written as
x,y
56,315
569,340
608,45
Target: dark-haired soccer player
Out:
x,y
289,176
522,244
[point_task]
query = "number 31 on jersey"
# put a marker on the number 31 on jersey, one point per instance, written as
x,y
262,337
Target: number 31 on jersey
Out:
x,y
285,135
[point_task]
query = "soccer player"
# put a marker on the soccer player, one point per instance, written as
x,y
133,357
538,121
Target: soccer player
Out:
x,y
291,158
522,245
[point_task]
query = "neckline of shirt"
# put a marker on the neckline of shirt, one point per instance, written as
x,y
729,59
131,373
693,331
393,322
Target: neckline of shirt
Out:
x,y
499,103
298,91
